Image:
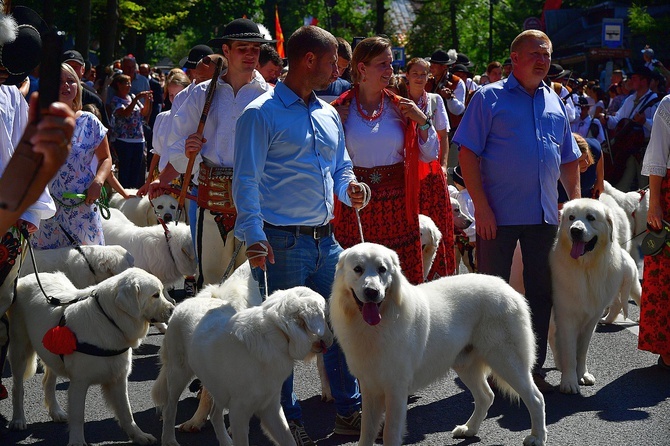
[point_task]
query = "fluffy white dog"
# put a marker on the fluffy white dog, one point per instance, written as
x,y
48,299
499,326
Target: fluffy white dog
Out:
x,y
589,270
398,337
238,292
139,209
260,346
92,339
84,266
635,204
168,259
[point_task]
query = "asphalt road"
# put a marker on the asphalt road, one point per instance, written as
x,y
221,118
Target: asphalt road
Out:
x,y
628,405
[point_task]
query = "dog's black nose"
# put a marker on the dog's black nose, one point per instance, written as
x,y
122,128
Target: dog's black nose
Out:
x,y
576,233
371,293
167,218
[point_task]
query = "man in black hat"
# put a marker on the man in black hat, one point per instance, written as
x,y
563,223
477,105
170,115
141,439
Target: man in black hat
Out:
x,y
640,108
194,56
236,88
554,78
585,125
88,94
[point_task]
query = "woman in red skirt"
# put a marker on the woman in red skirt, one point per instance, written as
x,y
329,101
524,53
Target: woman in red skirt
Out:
x,y
386,137
655,307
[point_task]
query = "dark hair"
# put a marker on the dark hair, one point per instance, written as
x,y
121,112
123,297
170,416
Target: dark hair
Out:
x,y
365,51
269,54
308,39
343,49
493,65
417,60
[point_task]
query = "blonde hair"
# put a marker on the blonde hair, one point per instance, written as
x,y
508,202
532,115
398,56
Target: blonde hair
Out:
x,y
365,51
77,101
529,34
418,61
584,148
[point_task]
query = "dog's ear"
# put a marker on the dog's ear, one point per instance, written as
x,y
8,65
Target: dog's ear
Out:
x,y
299,319
127,297
610,224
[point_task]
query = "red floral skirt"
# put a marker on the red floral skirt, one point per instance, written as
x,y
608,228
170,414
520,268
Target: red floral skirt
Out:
x,y
655,307
384,219
435,203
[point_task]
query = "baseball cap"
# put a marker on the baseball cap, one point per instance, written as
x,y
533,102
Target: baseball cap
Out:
x,y
73,55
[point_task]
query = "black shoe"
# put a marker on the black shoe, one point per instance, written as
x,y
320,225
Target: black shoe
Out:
x,y
542,384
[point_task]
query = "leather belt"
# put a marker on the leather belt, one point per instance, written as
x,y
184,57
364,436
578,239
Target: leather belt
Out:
x,y
316,232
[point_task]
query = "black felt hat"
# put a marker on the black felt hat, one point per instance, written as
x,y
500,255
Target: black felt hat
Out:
x,y
240,29
195,55
22,55
441,57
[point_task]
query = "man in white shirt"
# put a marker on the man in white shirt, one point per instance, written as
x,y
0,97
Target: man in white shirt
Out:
x,y
586,126
213,149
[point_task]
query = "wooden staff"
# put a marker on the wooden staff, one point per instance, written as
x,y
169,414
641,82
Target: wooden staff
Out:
x,y
201,127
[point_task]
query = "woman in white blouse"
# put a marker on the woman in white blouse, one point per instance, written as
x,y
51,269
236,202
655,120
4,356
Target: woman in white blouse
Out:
x,y
386,137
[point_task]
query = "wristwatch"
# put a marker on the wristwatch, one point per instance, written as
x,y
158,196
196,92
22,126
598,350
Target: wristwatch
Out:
x,y
426,125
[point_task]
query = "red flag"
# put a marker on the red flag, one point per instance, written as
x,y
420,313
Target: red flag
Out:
x,y
548,6
280,35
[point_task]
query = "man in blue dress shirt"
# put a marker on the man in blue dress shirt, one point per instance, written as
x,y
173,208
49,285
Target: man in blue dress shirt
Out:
x,y
515,144
290,161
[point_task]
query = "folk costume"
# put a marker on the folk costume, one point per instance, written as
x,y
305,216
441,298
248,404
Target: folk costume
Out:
x,y
385,150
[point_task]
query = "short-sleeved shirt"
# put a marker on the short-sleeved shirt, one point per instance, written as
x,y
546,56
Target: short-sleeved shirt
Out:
x,y
521,141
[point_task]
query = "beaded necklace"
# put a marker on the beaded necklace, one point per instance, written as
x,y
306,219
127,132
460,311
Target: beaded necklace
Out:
x,y
376,115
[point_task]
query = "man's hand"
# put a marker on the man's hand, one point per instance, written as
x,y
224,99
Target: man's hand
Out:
x,y
53,135
194,144
486,222
356,195
258,253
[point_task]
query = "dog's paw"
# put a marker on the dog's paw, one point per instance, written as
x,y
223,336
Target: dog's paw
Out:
x,y
463,431
569,387
191,426
18,424
532,440
58,415
143,438
587,380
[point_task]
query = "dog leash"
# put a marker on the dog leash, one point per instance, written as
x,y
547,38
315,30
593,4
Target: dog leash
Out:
x,y
238,248
367,194
102,202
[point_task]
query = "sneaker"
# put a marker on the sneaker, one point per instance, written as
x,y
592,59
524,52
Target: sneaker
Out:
x,y
299,435
350,425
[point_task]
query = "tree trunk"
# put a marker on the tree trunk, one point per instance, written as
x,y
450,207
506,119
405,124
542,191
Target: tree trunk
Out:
x,y
108,33
83,27
454,26
381,12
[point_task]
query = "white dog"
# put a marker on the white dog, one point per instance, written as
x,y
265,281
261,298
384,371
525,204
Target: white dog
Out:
x,y
84,266
636,206
589,270
259,346
398,337
238,292
430,241
107,321
169,259
139,209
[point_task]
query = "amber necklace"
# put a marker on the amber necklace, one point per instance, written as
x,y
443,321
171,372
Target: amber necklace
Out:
x,y
374,115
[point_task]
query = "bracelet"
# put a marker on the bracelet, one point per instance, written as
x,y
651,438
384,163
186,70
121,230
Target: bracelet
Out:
x,y
426,125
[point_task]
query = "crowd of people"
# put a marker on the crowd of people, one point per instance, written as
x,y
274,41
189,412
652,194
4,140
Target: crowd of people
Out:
x,y
287,181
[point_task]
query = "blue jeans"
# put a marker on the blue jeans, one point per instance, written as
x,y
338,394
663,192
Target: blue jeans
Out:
x,y
132,167
302,261
494,257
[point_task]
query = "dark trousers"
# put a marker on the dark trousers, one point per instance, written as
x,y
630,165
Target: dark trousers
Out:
x,y
132,167
494,257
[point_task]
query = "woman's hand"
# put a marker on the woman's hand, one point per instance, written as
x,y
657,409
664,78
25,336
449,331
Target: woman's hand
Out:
x,y
93,193
410,110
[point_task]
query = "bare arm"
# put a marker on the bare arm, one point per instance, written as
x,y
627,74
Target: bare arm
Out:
x,y
570,179
486,220
104,168
655,214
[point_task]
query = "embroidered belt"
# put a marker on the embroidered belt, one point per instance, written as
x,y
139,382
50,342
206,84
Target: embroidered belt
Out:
x,y
215,191
382,176
316,232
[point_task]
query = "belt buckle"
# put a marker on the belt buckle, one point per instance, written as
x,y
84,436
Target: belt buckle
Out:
x,y
315,233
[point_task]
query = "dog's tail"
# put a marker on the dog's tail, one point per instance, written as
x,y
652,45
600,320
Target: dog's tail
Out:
x,y
31,366
504,388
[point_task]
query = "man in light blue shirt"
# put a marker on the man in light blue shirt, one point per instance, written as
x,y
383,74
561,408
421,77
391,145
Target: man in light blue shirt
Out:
x,y
515,144
290,160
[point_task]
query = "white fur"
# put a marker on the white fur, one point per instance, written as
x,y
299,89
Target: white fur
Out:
x,y
636,206
139,209
238,292
585,286
472,323
430,241
149,247
244,357
8,28
107,261
131,299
